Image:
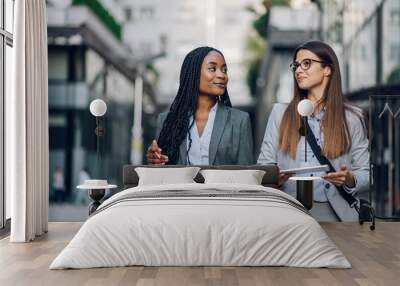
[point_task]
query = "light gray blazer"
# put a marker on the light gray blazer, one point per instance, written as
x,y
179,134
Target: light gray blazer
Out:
x,y
231,138
357,159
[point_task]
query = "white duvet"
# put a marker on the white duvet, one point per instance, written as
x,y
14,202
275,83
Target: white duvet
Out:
x,y
182,231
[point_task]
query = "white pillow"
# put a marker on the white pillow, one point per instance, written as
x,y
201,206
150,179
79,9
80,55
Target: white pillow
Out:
x,y
165,176
249,177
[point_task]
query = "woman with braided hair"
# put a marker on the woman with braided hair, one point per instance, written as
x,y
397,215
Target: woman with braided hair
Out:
x,y
201,127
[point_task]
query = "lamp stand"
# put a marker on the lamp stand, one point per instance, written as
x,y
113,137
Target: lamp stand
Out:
x,y
99,131
96,195
304,193
305,137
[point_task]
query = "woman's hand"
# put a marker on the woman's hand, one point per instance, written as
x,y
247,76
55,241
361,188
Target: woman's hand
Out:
x,y
283,177
340,178
154,156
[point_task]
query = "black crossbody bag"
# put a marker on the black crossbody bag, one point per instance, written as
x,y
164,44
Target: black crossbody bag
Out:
x,y
363,207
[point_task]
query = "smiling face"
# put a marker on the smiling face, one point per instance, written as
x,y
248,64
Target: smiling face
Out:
x,y
315,74
214,76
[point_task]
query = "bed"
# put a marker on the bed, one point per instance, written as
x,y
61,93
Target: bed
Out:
x,y
201,224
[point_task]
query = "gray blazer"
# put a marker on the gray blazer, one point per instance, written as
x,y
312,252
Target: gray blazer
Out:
x,y
357,159
231,138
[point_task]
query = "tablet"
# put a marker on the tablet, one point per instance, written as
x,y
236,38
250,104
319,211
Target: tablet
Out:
x,y
302,170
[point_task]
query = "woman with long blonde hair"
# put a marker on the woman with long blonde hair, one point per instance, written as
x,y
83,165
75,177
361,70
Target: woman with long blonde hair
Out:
x,y
338,127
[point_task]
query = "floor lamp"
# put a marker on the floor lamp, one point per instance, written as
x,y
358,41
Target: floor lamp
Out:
x,y
97,188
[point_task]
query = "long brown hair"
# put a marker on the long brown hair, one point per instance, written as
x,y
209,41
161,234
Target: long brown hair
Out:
x,y
334,126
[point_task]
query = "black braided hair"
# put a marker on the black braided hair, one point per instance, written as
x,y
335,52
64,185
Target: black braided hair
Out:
x,y
176,125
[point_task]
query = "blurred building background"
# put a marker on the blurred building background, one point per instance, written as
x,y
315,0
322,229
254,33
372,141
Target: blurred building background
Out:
x,y
181,26
88,60
107,48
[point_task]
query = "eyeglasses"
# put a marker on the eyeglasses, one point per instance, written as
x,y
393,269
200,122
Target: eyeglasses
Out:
x,y
304,64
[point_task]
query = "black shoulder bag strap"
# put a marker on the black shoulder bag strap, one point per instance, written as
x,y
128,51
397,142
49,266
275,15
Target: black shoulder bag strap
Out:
x,y
324,161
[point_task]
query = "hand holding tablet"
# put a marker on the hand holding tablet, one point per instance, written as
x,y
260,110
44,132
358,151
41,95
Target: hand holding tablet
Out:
x,y
303,170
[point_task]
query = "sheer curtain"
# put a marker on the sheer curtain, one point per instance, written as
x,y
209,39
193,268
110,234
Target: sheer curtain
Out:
x,y
27,148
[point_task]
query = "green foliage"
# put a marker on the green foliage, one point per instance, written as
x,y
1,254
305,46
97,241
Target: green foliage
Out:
x,y
252,75
106,18
269,3
261,24
150,68
394,76
255,47
256,42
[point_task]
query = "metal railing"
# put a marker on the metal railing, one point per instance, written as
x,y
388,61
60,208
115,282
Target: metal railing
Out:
x,y
381,104
384,135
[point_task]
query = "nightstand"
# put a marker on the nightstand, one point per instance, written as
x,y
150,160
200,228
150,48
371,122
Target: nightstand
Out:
x,y
96,191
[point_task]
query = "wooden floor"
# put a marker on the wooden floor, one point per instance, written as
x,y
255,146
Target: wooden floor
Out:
x,y
374,255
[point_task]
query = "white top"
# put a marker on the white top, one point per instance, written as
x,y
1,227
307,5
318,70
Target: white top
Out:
x,y
95,184
199,151
306,178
